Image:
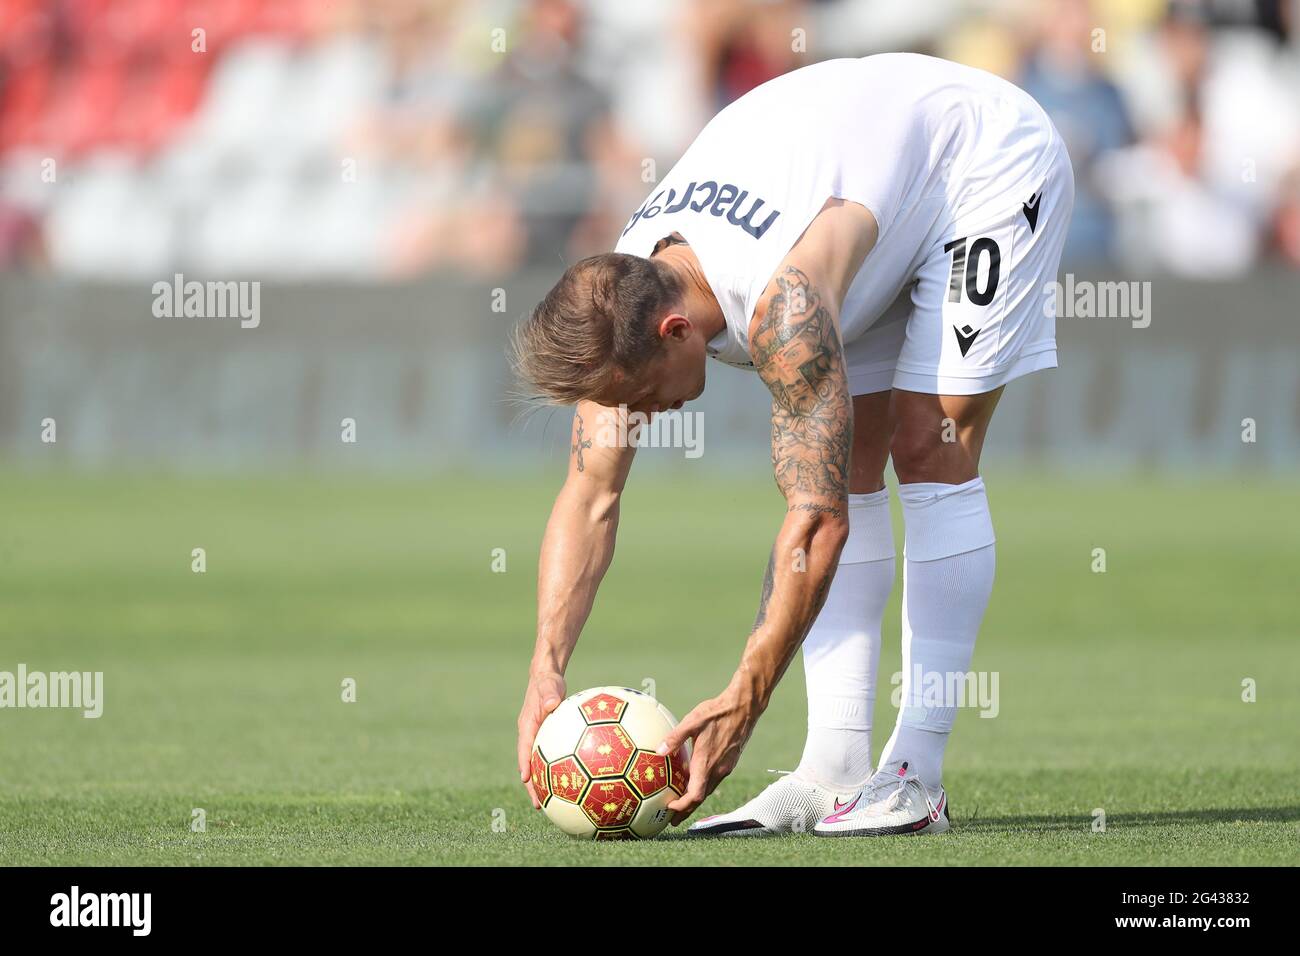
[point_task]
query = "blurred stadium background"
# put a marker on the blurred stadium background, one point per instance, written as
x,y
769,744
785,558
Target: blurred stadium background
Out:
x,y
405,178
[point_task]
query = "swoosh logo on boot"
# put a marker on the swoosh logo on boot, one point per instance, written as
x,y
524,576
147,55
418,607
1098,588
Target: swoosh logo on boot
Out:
x,y
842,809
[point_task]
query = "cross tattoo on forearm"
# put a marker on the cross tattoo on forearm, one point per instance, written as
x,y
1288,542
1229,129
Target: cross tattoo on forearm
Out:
x,y
579,445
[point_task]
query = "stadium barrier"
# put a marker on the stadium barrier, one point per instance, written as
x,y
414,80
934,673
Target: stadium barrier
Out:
x,y
1188,375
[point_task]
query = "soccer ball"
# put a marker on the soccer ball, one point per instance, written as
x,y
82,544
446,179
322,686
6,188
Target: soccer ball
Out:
x,y
595,769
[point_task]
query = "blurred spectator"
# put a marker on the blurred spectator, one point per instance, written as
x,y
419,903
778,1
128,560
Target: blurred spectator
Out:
x,y
742,45
1221,127
1061,72
451,213
538,120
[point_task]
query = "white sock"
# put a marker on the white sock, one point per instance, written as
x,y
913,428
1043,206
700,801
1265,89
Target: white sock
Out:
x,y
842,649
948,563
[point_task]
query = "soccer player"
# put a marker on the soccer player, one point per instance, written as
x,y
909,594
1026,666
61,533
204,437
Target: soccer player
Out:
x,y
873,238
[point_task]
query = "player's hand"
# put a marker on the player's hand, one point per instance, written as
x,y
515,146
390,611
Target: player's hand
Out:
x,y
720,728
545,691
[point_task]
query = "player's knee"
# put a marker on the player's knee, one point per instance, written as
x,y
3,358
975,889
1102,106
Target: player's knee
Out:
x,y
916,453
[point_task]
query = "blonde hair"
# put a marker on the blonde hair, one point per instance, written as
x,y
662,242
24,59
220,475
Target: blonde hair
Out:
x,y
599,319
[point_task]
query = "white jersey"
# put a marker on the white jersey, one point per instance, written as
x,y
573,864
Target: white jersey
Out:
x,y
920,142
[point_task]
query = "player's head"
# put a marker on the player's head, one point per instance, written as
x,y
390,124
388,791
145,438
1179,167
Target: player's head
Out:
x,y
613,330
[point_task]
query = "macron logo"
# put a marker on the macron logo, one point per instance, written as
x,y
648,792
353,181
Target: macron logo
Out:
x,y
965,338
1031,210
102,909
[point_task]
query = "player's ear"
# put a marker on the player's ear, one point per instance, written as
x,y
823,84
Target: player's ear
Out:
x,y
676,326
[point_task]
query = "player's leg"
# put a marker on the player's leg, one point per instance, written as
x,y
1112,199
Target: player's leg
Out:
x,y
842,649
948,567
948,570
979,322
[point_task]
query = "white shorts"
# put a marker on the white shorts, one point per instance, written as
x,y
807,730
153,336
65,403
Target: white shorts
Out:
x,y
976,315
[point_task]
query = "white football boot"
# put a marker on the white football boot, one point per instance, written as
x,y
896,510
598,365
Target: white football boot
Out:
x,y
791,805
905,808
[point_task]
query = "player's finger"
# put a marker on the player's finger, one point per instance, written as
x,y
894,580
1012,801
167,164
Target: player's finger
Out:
x,y
696,788
688,802
693,794
527,734
686,730
683,815
525,750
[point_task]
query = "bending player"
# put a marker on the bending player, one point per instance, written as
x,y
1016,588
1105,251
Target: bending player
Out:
x,y
872,237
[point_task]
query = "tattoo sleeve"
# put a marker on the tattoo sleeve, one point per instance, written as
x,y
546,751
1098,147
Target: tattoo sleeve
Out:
x,y
797,353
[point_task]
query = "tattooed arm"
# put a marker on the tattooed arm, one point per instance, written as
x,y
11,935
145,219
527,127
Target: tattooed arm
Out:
x,y
797,352
795,344
576,552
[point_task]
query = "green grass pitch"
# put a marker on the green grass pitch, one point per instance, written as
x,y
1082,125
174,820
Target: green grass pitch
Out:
x,y
1120,691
